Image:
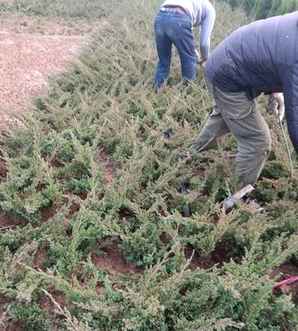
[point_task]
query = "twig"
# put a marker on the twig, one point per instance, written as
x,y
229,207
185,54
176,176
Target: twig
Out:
x,y
7,227
287,147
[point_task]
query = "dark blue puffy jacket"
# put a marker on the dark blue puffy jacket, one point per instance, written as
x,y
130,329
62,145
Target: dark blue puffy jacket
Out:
x,y
261,57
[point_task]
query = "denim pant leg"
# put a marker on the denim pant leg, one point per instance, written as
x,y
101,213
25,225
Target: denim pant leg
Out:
x,y
185,44
164,51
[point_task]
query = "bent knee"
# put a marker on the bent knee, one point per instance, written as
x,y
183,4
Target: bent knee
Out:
x,y
264,143
267,143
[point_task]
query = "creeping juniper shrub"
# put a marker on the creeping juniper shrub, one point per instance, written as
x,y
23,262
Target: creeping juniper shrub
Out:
x,y
105,104
31,315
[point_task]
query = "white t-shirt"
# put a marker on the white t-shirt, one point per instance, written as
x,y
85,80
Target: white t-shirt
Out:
x,y
196,8
203,15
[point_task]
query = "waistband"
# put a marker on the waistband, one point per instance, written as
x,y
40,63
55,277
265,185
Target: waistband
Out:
x,y
174,9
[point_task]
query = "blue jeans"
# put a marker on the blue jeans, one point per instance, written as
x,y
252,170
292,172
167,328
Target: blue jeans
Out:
x,y
174,28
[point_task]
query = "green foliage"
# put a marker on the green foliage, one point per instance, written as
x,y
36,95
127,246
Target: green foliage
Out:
x,y
266,8
106,211
32,316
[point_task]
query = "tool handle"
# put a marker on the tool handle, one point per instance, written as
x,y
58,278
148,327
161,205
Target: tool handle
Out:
x,y
245,190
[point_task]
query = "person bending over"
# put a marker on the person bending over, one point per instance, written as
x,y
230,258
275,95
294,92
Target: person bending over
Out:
x,y
261,57
174,26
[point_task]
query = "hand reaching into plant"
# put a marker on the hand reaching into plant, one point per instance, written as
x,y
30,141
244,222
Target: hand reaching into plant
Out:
x,y
201,61
276,105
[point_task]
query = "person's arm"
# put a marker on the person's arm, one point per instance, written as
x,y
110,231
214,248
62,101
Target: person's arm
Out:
x,y
206,31
291,103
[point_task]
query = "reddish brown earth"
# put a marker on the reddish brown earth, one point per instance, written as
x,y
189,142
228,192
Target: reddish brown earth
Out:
x,y
14,326
112,259
221,254
48,305
40,258
8,222
108,165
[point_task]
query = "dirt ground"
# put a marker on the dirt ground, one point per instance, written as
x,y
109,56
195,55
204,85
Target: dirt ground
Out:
x,y
32,49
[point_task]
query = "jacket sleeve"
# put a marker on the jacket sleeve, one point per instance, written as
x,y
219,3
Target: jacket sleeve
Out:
x,y
290,89
206,31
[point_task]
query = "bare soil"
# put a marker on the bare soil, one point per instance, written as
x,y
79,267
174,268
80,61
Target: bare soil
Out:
x,y
47,304
16,23
9,222
40,258
15,326
108,165
26,61
31,50
112,260
221,254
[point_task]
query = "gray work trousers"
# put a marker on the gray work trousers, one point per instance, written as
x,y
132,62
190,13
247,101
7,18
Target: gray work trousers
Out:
x,y
236,113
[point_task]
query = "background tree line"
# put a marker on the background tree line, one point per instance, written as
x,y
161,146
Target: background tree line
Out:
x,y
266,8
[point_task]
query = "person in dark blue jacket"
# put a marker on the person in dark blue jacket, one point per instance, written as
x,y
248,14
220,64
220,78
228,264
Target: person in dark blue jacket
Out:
x,y
261,57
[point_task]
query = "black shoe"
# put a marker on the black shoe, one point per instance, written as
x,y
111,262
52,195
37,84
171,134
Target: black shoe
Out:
x,y
168,133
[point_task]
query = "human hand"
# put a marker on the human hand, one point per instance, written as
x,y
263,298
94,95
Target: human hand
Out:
x,y
276,105
201,61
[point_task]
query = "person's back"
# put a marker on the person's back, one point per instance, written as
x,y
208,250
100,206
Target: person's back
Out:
x,y
174,26
257,57
196,8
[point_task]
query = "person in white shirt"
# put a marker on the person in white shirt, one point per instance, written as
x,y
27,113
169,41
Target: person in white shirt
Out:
x,y
174,25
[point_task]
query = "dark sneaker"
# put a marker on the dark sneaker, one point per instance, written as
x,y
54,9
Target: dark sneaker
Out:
x,y
168,133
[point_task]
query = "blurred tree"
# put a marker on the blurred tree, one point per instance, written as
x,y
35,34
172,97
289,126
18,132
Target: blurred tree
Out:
x,y
265,8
